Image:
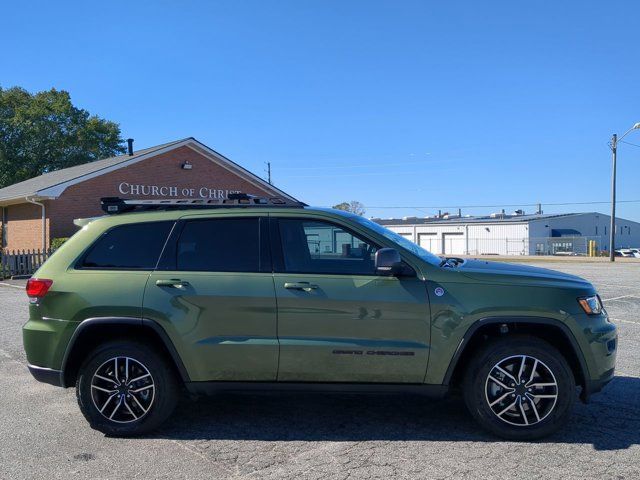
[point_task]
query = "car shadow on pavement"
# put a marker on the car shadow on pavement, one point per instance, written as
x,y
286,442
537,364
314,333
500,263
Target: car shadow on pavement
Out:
x,y
610,422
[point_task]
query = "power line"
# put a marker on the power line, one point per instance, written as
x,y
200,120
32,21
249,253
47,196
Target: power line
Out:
x,y
362,174
360,165
629,143
557,204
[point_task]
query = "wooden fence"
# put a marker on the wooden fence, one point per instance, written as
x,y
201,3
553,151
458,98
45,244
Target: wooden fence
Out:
x,y
21,262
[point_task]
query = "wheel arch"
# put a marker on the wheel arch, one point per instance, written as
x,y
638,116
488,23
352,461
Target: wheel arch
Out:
x,y
551,330
93,331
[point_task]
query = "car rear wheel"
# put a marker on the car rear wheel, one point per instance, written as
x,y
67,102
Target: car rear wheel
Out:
x,y
125,388
519,388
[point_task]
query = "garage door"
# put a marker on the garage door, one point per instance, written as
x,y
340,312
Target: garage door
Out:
x,y
453,243
429,241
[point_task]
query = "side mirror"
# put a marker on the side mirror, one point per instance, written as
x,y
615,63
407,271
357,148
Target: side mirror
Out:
x,y
388,262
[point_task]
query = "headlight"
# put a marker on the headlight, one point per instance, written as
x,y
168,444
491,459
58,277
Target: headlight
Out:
x,y
591,305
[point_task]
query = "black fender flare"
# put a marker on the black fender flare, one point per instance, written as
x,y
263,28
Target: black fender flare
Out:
x,y
89,323
474,327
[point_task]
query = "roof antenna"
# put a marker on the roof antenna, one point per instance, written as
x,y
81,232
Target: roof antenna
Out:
x,y
130,146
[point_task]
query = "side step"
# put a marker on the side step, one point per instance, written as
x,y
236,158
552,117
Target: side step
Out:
x,y
210,388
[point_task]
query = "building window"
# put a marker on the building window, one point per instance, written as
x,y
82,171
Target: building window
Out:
x,y
596,229
561,247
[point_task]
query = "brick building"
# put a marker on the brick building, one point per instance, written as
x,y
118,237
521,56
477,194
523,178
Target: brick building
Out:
x,y
35,211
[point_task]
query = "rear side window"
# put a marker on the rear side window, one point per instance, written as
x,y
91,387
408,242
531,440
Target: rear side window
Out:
x,y
220,245
128,247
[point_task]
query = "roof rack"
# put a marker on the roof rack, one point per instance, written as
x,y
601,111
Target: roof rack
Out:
x,y
115,205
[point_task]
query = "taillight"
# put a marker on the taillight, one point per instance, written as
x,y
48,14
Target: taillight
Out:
x,y
38,288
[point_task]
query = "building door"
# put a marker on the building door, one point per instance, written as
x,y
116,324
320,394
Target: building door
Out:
x,y
429,241
213,294
453,243
337,320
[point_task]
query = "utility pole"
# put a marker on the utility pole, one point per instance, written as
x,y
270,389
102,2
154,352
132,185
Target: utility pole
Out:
x,y
269,172
612,227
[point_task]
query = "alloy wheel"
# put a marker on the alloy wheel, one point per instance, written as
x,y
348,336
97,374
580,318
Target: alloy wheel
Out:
x,y
122,389
521,390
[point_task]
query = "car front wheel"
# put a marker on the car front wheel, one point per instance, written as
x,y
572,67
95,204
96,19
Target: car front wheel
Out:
x,y
519,388
125,388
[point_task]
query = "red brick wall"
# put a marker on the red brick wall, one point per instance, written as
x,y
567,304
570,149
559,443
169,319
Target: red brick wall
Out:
x,y
23,228
83,199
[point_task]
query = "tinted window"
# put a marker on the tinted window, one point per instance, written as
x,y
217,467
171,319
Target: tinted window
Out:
x,y
399,239
220,245
135,246
322,247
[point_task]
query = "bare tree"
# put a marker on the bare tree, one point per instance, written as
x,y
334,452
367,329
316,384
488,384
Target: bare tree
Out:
x,y
353,206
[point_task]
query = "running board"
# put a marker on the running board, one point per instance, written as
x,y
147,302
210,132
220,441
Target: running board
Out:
x,y
209,388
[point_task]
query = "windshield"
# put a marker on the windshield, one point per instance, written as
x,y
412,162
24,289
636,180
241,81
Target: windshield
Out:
x,y
400,240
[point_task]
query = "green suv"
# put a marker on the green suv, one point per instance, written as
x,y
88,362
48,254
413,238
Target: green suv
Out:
x,y
204,296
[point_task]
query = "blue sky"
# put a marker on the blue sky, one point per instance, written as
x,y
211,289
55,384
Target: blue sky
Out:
x,y
392,103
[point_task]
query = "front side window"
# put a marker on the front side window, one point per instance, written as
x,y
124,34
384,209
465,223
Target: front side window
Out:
x,y
220,245
323,247
128,247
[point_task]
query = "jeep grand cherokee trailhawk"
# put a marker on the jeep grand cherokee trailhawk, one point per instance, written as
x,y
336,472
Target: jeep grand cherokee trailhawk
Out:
x,y
161,296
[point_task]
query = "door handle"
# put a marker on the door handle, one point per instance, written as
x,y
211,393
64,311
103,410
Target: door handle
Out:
x,y
306,286
174,282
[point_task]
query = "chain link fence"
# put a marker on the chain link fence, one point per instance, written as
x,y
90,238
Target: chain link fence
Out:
x,y
560,246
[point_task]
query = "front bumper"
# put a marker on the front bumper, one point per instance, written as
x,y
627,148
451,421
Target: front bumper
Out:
x,y
599,343
595,386
47,375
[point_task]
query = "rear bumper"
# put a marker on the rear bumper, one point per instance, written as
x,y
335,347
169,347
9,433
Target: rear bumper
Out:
x,y
46,375
45,341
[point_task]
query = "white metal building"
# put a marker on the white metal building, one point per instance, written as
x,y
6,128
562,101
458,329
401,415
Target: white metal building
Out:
x,y
516,233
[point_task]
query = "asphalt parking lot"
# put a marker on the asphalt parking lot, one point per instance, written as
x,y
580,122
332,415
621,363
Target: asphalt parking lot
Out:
x,y
43,434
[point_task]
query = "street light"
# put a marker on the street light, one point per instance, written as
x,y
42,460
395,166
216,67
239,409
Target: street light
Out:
x,y
612,227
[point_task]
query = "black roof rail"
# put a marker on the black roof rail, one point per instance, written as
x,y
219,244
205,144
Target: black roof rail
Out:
x,y
115,205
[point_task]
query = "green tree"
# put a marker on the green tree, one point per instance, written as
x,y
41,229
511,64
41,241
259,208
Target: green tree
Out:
x,y
43,132
353,206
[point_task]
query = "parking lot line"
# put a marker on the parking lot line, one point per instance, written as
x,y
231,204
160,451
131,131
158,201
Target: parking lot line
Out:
x,y
619,298
625,321
600,284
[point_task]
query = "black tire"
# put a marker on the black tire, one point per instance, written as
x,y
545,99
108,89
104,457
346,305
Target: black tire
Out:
x,y
159,400
519,422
